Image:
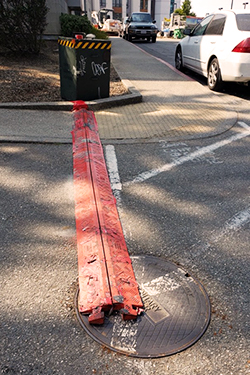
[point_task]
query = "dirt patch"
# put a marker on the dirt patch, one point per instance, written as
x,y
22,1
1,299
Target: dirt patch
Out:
x,y
36,78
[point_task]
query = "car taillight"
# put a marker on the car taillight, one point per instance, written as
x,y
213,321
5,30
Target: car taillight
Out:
x,y
243,46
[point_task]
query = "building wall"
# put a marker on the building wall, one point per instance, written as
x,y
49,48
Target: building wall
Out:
x,y
56,7
130,6
162,10
89,7
95,4
76,7
75,3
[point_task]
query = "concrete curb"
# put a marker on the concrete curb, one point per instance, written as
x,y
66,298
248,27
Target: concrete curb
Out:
x,y
133,97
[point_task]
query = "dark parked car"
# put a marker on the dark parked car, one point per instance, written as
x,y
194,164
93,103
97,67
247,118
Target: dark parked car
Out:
x,y
140,26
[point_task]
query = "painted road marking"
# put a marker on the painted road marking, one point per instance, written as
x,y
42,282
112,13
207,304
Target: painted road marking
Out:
x,y
196,154
160,285
112,166
244,125
176,150
124,334
235,223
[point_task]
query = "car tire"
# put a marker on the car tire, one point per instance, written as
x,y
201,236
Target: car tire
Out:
x,y
129,38
178,59
153,39
214,80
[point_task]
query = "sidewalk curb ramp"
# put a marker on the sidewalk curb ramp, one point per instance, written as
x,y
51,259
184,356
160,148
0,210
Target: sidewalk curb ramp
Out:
x,y
106,277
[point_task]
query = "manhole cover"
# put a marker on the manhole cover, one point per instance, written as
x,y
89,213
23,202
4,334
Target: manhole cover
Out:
x,y
177,313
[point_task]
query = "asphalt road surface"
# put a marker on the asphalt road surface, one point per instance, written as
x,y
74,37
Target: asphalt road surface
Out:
x,y
164,49
186,202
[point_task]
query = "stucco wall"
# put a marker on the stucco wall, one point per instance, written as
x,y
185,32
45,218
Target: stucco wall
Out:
x,y
56,7
162,10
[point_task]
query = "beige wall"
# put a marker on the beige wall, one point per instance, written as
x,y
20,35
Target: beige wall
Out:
x,y
56,7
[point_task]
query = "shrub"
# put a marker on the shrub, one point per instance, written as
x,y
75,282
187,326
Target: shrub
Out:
x,y
22,23
99,33
71,24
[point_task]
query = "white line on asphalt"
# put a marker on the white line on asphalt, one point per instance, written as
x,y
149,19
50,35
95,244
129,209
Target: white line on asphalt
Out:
x,y
234,224
124,336
112,166
198,153
237,221
245,126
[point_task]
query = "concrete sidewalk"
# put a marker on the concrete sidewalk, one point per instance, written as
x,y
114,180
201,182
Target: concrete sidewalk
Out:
x,y
173,107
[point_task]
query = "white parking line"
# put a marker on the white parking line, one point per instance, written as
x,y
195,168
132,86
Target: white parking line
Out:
x,y
112,167
247,127
198,153
235,223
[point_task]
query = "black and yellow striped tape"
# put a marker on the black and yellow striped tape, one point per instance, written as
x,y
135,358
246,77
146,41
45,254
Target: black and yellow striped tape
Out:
x,y
84,44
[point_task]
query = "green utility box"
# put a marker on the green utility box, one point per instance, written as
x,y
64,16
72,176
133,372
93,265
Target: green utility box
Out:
x,y
178,34
84,68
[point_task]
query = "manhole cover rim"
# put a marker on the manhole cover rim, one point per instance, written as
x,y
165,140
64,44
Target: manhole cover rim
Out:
x,y
91,332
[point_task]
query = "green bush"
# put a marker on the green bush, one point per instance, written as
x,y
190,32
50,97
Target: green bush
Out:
x,y
22,23
99,33
71,24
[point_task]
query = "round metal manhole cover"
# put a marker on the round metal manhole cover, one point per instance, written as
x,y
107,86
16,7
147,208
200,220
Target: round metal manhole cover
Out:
x,y
176,313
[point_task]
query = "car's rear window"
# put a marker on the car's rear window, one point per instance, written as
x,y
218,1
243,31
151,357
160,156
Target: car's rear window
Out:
x,y
243,21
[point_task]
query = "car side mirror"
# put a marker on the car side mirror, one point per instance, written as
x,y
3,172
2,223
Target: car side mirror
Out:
x,y
154,21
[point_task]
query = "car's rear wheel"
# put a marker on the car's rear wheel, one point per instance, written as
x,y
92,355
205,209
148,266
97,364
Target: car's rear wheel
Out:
x,y
214,80
178,59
